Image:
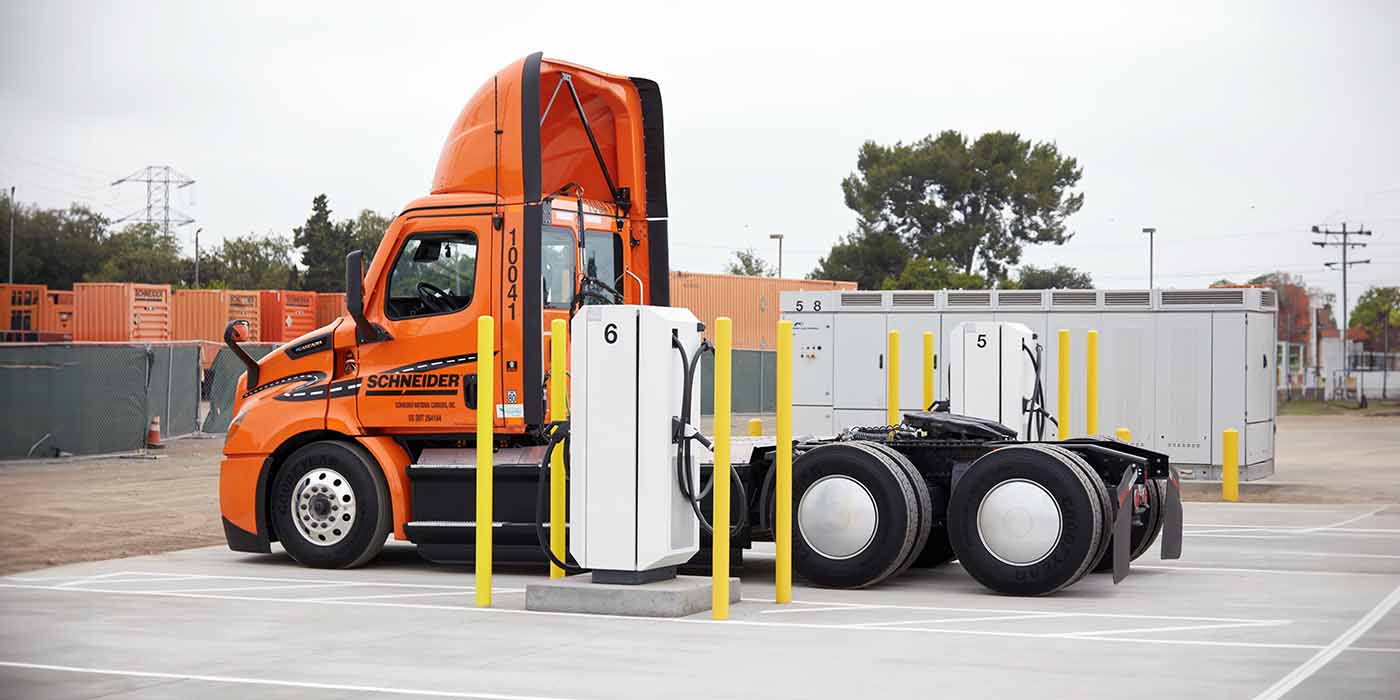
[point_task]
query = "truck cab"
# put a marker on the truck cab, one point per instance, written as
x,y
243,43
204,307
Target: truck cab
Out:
x,y
549,194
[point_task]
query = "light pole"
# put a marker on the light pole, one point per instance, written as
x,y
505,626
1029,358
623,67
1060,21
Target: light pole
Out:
x,y
1151,236
196,257
12,234
779,238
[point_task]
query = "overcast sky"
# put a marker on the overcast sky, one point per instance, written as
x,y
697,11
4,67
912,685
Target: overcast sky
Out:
x,y
1230,127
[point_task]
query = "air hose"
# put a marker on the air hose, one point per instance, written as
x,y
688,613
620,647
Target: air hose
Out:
x,y
684,479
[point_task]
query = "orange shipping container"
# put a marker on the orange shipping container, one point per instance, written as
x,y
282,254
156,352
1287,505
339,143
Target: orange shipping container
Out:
x,y
329,307
203,314
57,314
752,302
287,315
20,306
121,311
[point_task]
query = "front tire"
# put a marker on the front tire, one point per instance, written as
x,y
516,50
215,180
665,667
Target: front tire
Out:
x,y
330,506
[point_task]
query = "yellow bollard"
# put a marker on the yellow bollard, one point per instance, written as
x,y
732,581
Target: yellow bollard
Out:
x,y
892,381
485,439
1062,416
1124,435
1091,383
755,427
929,371
1230,469
782,527
719,566
558,410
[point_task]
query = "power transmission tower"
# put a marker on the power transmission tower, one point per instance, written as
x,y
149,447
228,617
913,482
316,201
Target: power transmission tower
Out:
x,y
159,179
1346,244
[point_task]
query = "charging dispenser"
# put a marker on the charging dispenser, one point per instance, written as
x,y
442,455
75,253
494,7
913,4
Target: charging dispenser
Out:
x,y
629,522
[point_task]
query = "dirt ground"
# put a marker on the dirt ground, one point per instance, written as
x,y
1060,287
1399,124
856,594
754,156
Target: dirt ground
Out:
x,y
76,510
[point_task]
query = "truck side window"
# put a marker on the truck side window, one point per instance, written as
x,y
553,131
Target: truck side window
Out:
x,y
433,274
557,259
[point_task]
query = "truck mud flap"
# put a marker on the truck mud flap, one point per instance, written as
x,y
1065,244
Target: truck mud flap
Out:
x,y
1123,524
1171,511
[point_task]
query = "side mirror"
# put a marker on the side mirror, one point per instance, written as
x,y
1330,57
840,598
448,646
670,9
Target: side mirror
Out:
x,y
355,299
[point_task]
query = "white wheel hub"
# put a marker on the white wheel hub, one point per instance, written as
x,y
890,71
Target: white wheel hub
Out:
x,y
837,517
1019,522
323,507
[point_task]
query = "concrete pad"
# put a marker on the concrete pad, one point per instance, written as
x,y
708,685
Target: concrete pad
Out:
x,y
677,597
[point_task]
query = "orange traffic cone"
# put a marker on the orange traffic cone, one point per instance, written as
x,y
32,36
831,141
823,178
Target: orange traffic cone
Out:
x,y
153,433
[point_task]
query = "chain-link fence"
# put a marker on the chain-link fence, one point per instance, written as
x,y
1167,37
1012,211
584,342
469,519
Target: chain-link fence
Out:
x,y
93,399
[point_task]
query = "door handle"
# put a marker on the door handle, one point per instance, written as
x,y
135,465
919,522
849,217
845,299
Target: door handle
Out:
x,y
469,391
882,360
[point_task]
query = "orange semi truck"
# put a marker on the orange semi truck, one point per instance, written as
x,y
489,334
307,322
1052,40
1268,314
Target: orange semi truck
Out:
x,y
326,450
550,194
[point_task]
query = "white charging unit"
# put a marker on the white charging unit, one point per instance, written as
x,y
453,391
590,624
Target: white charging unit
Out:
x,y
991,372
628,521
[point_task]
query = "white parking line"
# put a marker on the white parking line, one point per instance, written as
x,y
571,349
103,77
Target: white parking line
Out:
x,y
1237,570
276,586
609,619
940,620
1178,628
462,592
243,680
1329,652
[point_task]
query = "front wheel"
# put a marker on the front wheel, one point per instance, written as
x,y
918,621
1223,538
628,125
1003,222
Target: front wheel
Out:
x,y
330,506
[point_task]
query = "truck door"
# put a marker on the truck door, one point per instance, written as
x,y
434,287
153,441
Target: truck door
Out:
x,y
428,299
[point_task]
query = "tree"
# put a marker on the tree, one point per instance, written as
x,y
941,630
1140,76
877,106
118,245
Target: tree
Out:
x,y
323,249
56,247
139,253
365,232
746,262
1376,313
922,273
1057,277
325,243
867,257
256,262
975,204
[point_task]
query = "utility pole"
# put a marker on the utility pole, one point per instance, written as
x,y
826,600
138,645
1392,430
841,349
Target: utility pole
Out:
x,y
196,257
779,236
1345,244
12,234
1151,239
158,180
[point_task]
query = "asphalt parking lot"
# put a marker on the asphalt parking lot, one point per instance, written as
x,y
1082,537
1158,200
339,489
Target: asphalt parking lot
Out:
x,y
1268,599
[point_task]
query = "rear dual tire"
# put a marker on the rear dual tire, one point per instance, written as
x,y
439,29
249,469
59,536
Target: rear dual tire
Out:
x,y
861,514
1028,519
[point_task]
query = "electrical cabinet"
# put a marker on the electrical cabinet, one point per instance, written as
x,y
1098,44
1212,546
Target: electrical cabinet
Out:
x,y
1176,367
627,513
859,360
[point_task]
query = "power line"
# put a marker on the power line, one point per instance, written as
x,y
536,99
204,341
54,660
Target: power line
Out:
x,y
1346,244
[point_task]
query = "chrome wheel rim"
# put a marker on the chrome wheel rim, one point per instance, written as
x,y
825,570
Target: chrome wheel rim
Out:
x,y
323,507
1019,522
837,517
